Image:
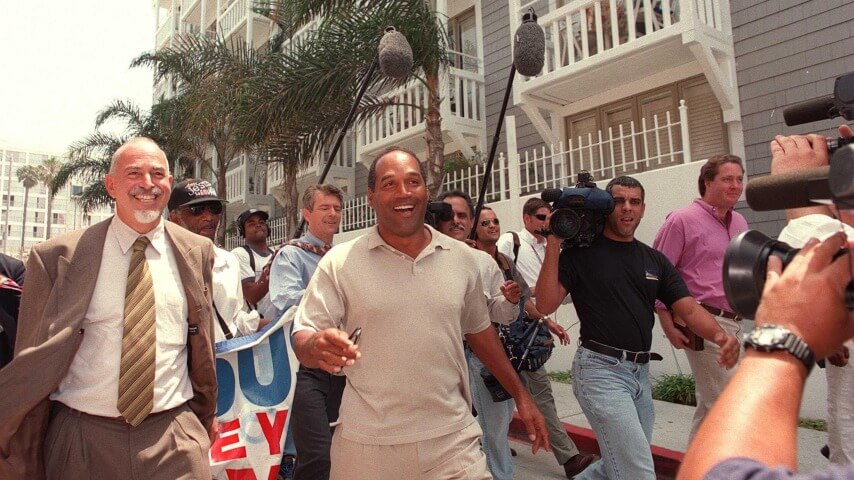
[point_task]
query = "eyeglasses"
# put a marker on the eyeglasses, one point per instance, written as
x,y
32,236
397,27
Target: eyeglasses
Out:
x,y
485,223
540,216
198,209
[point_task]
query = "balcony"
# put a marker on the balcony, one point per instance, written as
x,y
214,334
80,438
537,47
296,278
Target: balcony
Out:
x,y
591,44
463,110
233,22
164,32
342,167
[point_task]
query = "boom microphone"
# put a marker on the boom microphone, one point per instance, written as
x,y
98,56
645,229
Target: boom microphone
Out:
x,y
551,195
395,54
788,190
811,111
529,46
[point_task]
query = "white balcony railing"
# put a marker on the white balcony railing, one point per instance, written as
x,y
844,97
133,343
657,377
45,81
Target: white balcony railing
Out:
x,y
300,35
232,17
585,28
465,101
187,5
164,32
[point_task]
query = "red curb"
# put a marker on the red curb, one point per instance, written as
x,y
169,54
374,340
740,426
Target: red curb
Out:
x,y
667,461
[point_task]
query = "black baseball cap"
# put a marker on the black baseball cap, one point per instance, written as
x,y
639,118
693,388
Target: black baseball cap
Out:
x,y
191,192
241,219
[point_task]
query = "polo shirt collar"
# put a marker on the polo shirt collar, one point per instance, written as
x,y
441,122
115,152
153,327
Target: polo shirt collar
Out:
x,y
437,240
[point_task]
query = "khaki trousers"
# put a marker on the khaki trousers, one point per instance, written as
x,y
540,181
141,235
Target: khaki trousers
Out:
x,y
456,456
538,383
167,445
710,377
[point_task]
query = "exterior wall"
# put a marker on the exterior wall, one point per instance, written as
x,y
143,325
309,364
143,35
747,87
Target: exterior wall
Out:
x,y
786,52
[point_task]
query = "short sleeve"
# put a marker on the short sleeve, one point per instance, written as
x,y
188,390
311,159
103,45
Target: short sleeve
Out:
x,y
322,305
246,272
671,286
474,318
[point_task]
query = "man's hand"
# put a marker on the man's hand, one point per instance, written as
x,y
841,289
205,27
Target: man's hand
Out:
x,y
556,329
808,298
797,152
534,422
213,430
331,350
676,337
511,291
729,350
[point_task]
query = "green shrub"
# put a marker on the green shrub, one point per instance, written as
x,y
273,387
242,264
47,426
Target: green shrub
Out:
x,y
675,389
560,376
813,424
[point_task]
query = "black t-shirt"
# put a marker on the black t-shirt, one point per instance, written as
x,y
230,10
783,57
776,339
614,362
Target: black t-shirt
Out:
x,y
614,286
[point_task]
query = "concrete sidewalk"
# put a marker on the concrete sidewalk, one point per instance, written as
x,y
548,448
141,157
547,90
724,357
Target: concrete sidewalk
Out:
x,y
669,438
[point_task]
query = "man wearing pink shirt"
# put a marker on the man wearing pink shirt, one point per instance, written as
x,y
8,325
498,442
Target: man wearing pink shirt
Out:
x,y
694,238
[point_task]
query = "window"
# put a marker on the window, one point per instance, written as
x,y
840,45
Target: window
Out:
x,y
634,134
58,218
11,200
462,30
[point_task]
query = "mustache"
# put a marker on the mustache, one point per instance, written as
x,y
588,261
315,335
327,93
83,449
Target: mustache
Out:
x,y
156,191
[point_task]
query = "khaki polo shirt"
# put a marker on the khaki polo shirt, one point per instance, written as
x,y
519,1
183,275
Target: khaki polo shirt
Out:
x,y
411,383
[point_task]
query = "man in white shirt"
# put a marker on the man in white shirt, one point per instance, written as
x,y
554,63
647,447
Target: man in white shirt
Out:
x,y
114,371
195,206
253,256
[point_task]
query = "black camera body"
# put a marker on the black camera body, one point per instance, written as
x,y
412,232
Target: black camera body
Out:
x,y
580,212
438,212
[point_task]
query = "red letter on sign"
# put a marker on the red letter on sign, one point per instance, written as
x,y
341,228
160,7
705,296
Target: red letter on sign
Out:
x,y
273,432
228,435
248,474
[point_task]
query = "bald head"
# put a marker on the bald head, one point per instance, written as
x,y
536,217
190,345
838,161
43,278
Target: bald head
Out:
x,y
137,144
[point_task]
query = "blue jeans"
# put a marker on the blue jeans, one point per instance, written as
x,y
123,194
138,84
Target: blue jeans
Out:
x,y
616,398
494,419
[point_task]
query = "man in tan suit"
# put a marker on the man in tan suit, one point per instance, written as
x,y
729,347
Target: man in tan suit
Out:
x,y
114,369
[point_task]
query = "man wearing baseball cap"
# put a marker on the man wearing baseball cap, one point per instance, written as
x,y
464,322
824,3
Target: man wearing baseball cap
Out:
x,y
253,255
195,206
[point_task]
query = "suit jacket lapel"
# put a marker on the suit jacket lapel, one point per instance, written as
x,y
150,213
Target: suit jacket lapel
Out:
x,y
80,273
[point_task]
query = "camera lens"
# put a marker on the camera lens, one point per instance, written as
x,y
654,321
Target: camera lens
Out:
x,y
745,266
565,223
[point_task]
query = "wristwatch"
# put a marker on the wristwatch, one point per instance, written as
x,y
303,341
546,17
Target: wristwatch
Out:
x,y
771,337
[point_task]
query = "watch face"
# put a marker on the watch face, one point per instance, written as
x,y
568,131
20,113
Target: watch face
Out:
x,y
768,335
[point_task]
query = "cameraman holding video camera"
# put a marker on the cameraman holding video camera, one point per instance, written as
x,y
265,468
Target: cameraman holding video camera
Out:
x,y
614,283
752,431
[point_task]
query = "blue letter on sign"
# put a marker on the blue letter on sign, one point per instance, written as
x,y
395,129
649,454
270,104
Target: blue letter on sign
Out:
x,y
277,391
225,383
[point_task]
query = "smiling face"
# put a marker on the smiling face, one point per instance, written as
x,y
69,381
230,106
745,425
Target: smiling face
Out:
x,y
459,227
725,189
627,214
399,197
324,217
488,229
140,183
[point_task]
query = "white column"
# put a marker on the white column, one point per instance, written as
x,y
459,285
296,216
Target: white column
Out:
x,y
512,157
250,26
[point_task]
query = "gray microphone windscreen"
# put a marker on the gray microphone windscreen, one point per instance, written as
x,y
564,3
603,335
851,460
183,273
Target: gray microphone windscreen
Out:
x,y
529,48
788,190
395,54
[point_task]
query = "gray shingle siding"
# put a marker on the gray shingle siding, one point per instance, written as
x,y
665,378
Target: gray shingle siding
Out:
x,y
787,51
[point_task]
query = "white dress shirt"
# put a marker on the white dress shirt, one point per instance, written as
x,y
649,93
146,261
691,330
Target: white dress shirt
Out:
x,y
92,382
530,257
228,297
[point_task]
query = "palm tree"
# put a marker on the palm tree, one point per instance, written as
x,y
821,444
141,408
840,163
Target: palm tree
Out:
x,y
90,157
213,74
301,96
47,173
29,176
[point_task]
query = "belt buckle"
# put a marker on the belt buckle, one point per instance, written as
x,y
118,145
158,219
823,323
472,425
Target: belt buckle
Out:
x,y
623,355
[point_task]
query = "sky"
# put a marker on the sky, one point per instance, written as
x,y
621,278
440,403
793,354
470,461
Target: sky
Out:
x,y
63,61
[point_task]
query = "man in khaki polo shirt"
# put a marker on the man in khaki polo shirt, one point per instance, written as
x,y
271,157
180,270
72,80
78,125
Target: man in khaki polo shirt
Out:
x,y
414,294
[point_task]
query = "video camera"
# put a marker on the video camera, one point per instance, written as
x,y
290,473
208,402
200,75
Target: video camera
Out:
x,y
580,212
746,259
438,212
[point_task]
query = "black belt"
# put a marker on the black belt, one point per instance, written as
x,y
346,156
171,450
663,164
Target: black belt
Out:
x,y
720,312
636,357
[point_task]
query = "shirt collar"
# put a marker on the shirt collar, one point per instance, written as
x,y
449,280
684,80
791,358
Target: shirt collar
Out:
x,y
312,239
530,238
437,240
125,235
714,211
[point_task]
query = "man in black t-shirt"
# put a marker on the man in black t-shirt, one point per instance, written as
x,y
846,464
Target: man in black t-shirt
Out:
x,y
614,284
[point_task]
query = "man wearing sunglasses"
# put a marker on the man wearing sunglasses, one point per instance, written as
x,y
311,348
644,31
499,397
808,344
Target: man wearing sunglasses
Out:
x,y
503,301
195,206
526,250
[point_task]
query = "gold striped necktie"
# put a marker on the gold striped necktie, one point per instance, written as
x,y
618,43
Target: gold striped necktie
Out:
x,y
136,376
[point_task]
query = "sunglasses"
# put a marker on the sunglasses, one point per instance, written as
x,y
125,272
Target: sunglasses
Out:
x,y
213,207
540,216
485,223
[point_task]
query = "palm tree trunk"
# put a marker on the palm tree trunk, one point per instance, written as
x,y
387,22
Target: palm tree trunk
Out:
x,y
24,221
435,143
222,188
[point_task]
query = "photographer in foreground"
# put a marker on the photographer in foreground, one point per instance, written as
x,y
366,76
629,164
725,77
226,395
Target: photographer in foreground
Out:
x,y
614,284
751,431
